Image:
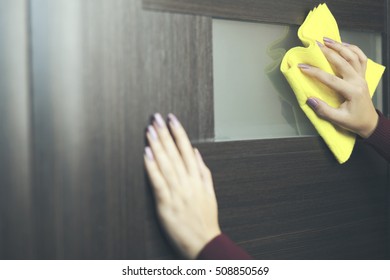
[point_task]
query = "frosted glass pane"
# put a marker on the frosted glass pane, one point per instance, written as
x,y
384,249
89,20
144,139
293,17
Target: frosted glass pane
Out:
x,y
252,99
371,44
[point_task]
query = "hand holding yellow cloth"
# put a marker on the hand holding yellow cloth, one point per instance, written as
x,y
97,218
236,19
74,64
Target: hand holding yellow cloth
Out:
x,y
320,23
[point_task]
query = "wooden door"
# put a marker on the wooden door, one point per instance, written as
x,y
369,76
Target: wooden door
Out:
x,y
98,69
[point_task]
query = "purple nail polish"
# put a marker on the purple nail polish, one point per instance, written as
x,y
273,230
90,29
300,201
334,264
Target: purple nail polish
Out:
x,y
149,153
312,103
328,40
152,132
160,121
173,119
319,44
303,66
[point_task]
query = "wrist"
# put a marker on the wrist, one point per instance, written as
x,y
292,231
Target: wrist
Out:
x,y
370,127
201,243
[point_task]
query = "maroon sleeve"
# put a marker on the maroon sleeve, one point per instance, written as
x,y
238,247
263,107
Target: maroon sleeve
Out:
x,y
380,138
222,248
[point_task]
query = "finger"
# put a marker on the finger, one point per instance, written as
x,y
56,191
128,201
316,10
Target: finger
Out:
x,y
338,63
184,146
350,56
163,162
170,147
332,81
204,172
159,185
361,55
326,112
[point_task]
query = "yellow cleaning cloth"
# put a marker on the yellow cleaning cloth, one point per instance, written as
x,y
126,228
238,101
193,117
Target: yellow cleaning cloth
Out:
x,y
320,23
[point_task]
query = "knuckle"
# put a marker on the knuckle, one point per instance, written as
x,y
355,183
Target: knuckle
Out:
x,y
318,73
341,64
332,79
207,172
349,59
353,58
362,88
355,48
168,171
349,56
361,82
362,57
320,111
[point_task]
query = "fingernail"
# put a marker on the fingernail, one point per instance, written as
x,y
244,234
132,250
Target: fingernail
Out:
x,y
303,66
346,44
152,132
173,119
328,40
160,121
312,103
319,44
149,153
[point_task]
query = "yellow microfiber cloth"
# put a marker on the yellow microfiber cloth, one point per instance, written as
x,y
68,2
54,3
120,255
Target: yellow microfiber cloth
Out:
x,y
320,23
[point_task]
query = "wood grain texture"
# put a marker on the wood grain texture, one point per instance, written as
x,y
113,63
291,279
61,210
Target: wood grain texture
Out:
x,y
279,201
15,168
357,15
386,85
386,95
101,69
386,60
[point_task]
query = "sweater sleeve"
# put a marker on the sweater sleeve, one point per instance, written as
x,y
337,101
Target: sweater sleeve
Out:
x,y
380,138
223,248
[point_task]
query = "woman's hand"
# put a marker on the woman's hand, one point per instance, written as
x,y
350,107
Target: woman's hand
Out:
x,y
183,187
357,113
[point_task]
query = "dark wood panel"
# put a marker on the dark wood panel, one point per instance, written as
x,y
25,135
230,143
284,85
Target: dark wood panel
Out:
x,y
386,86
101,69
15,174
59,191
280,202
386,60
358,15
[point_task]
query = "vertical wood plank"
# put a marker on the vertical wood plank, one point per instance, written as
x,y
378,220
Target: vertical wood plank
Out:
x,y
57,119
147,62
101,69
386,94
15,173
386,59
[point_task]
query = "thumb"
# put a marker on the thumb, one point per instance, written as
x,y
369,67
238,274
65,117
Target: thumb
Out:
x,y
325,111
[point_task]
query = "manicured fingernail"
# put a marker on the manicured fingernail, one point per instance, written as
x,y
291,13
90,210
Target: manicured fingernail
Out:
x,y
346,44
312,103
303,66
152,132
319,44
173,119
160,121
149,153
328,40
